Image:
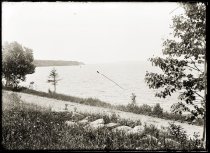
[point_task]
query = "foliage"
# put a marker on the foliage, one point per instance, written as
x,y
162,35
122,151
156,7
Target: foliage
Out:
x,y
149,110
183,62
144,109
157,110
17,62
177,132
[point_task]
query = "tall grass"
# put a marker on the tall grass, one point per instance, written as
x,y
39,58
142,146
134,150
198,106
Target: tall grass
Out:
x,y
25,127
86,101
144,109
157,111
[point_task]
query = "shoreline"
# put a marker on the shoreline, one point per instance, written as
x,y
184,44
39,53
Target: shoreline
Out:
x,y
136,109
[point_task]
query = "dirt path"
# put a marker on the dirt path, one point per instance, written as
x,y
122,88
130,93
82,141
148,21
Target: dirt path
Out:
x,y
59,105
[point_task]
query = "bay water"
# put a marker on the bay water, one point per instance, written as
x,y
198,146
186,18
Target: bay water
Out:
x,y
84,81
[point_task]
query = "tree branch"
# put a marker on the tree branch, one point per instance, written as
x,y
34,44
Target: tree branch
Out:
x,y
195,65
192,68
198,95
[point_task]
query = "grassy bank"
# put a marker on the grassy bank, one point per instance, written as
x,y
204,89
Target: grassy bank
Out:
x,y
27,126
155,111
86,101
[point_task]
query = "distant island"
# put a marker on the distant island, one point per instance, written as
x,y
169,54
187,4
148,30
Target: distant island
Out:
x,y
42,63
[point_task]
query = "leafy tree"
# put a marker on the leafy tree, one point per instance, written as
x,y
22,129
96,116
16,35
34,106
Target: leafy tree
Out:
x,y
53,78
183,63
17,62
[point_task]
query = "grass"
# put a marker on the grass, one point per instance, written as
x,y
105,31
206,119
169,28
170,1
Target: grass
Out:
x,y
86,101
27,126
155,111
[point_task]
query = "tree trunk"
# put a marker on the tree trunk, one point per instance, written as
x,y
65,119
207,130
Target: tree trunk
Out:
x,y
54,85
55,88
204,131
7,82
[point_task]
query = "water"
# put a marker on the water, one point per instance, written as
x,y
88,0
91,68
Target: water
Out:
x,y
84,81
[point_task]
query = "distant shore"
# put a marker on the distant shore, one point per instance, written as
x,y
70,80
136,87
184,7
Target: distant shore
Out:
x,y
45,63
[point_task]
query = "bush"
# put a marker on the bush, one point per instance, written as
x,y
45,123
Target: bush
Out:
x,y
146,109
157,110
177,132
112,118
152,130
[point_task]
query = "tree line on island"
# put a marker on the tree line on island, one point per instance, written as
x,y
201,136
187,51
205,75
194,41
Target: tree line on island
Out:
x,y
42,63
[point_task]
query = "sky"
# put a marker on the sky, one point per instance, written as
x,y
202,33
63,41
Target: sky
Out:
x,y
90,32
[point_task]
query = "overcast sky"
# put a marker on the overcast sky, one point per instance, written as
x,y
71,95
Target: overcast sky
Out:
x,y
89,32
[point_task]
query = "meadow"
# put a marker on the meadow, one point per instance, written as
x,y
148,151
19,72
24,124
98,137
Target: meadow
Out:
x,y
27,126
144,109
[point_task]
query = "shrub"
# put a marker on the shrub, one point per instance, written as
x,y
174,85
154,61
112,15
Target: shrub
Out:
x,y
112,118
152,130
146,109
157,110
177,132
